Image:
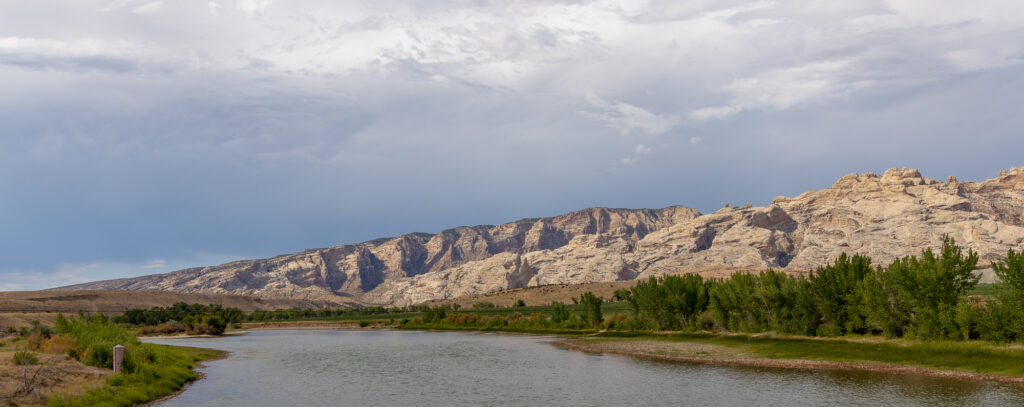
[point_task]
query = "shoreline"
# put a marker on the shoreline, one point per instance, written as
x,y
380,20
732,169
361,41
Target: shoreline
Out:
x,y
567,343
199,376
797,364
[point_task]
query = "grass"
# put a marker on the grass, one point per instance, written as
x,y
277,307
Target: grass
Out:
x,y
972,357
171,372
985,290
150,371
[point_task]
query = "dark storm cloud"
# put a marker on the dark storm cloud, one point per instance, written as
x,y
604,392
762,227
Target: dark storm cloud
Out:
x,y
144,136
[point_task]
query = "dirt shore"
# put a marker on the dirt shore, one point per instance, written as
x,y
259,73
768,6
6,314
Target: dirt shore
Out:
x,y
711,354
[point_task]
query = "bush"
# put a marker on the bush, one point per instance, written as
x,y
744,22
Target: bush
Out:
x,y
168,328
483,305
24,358
149,371
205,325
57,344
829,331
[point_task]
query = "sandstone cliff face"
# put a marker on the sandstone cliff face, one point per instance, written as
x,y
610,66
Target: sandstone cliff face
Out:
x,y
896,214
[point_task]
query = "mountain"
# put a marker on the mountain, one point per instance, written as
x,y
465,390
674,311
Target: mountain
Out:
x,y
896,214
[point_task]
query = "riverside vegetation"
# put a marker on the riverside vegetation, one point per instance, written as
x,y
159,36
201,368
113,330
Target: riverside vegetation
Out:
x,y
931,296
930,307
915,297
841,313
149,371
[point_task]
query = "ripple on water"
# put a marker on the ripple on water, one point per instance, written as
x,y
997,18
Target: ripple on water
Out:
x,y
384,368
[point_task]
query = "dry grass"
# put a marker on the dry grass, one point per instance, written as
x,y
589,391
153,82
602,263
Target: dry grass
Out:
x,y
20,308
56,374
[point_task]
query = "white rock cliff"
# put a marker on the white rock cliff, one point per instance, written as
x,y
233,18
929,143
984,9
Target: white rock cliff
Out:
x,y
896,214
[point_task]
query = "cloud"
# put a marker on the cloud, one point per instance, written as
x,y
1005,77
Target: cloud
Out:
x,y
714,113
782,89
150,7
252,7
77,55
279,126
627,118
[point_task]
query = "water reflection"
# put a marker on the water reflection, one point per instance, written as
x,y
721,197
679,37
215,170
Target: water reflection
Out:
x,y
384,368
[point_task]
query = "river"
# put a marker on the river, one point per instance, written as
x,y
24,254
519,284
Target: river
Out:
x,y
415,368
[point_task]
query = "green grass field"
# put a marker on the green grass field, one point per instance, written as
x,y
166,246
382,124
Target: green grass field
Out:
x,y
985,290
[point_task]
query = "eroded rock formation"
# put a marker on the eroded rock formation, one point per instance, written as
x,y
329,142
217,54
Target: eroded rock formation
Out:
x,y
896,214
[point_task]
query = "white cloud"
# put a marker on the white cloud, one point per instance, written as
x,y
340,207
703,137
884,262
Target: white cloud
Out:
x,y
273,92
252,7
627,118
81,54
151,7
155,264
642,149
714,113
782,89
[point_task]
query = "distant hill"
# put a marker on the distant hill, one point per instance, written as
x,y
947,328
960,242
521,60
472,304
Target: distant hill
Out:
x,y
884,216
115,302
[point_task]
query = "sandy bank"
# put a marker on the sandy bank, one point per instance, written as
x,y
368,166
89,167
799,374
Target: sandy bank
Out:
x,y
711,354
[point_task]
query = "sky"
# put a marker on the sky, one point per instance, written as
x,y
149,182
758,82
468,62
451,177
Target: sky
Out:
x,y
141,137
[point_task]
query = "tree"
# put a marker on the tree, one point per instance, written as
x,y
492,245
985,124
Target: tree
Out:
x,y
671,302
215,324
920,295
592,307
836,292
1011,273
560,312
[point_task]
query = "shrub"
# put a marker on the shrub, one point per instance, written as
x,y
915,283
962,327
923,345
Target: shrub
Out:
x,y
57,344
168,328
617,322
829,331
515,318
24,358
483,305
205,325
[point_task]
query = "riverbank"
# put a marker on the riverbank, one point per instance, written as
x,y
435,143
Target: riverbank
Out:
x,y
160,382
199,364
277,325
956,360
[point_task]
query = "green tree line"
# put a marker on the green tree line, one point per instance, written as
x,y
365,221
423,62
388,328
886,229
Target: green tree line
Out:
x,y
923,296
916,296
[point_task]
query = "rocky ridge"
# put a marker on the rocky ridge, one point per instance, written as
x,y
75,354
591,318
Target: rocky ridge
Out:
x,y
896,214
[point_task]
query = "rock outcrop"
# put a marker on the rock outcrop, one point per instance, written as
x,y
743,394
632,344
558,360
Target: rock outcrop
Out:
x,y
896,214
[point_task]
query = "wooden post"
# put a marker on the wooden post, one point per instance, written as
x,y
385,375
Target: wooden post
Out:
x,y
118,358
